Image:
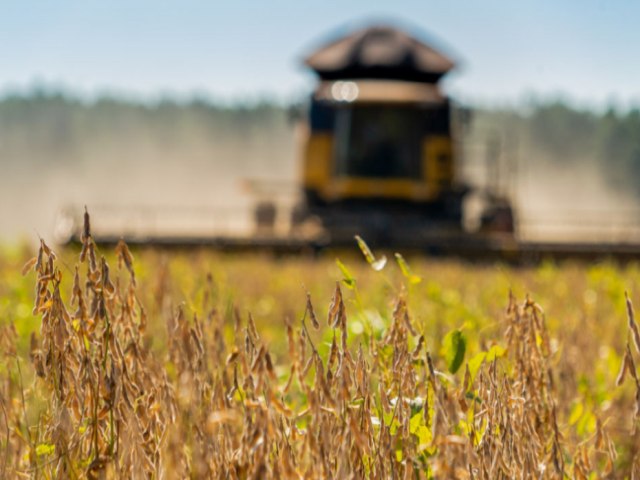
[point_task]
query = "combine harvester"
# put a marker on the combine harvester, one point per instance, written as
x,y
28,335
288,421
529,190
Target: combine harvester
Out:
x,y
379,158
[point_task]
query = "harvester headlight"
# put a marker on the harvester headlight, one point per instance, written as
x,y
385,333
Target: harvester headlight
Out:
x,y
344,91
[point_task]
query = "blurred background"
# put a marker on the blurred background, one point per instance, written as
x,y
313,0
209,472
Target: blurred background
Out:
x,y
154,105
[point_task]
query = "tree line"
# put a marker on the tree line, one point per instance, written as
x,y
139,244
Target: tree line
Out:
x,y
56,128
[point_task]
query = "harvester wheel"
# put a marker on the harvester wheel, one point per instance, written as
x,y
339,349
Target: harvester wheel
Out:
x,y
499,219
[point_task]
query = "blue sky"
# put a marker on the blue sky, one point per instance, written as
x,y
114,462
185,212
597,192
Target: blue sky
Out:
x,y
584,50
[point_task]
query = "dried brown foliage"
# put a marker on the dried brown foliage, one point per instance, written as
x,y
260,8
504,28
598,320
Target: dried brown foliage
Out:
x,y
217,409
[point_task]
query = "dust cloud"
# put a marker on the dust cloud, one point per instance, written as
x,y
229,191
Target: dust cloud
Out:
x,y
139,177
568,197
573,203
197,170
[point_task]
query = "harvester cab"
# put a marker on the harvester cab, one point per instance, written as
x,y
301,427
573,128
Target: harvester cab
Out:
x,y
379,156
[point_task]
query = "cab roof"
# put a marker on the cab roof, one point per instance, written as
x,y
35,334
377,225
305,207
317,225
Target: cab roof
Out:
x,y
379,52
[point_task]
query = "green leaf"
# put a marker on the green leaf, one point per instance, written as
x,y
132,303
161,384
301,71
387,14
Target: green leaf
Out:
x,y
424,437
495,352
406,270
473,397
45,449
475,363
367,462
376,264
364,248
415,422
399,454
587,424
576,413
454,346
416,405
391,421
348,279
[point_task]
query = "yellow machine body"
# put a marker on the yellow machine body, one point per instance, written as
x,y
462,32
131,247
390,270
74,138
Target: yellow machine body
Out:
x,y
437,161
390,123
